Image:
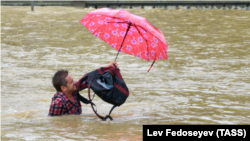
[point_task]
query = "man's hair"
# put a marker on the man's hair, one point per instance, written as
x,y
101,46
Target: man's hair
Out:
x,y
59,79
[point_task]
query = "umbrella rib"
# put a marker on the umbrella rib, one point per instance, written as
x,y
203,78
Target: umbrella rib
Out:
x,y
105,15
150,33
144,39
153,35
108,21
118,22
123,40
99,28
112,16
106,24
116,14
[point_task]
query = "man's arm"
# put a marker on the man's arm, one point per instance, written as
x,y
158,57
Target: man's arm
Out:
x,y
56,108
84,84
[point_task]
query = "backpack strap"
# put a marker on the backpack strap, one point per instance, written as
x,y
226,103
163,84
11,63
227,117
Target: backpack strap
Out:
x,y
95,111
82,99
108,116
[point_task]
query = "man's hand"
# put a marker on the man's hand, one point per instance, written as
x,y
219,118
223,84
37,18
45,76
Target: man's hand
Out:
x,y
111,64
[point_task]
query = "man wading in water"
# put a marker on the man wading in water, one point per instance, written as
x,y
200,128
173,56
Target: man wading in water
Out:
x,y
67,99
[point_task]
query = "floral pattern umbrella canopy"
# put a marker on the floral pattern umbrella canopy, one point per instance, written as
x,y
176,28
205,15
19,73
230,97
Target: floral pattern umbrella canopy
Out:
x,y
127,33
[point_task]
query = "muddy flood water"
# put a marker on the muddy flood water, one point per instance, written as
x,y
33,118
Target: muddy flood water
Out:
x,y
206,79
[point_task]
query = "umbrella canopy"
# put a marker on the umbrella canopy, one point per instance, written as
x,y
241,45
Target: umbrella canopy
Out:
x,y
127,33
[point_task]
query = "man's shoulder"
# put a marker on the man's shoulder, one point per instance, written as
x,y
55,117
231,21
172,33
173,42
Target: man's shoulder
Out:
x,y
58,98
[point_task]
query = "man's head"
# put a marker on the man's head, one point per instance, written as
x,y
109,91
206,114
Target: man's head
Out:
x,y
63,82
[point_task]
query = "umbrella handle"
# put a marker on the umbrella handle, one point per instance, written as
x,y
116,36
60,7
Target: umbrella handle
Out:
x,y
151,66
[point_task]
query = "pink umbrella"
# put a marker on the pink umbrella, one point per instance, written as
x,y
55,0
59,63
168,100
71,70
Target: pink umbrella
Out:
x,y
127,33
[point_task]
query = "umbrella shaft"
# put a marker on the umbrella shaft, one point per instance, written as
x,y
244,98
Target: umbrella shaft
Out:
x,y
123,40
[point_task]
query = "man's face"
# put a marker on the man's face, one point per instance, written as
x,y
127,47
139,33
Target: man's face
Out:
x,y
70,84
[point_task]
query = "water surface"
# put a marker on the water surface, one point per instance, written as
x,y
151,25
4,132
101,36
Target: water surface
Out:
x,y
204,81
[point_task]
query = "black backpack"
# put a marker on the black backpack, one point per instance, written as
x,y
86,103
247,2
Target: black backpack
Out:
x,y
108,84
